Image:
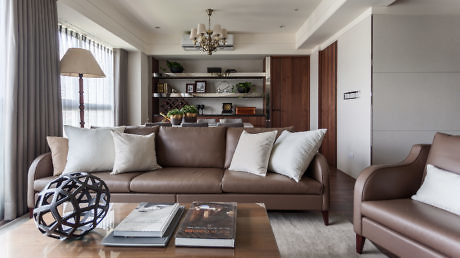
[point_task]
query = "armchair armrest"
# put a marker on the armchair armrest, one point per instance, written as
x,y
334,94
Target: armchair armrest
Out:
x,y
386,182
41,167
320,172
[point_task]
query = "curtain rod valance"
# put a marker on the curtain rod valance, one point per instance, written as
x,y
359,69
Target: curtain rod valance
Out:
x,y
84,38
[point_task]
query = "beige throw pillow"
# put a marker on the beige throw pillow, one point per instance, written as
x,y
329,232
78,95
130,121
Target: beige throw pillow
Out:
x,y
253,152
59,147
90,150
293,152
134,153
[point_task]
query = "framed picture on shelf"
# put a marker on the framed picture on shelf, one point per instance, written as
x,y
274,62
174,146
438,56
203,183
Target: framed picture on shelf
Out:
x,y
190,87
200,86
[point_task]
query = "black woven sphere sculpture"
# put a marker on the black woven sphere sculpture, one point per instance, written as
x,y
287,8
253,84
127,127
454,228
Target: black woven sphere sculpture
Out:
x,y
71,205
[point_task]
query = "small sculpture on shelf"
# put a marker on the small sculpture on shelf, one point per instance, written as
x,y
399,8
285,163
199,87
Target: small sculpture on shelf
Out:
x,y
200,109
224,87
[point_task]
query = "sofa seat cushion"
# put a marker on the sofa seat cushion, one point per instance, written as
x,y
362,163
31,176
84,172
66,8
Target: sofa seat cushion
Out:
x,y
272,183
179,180
116,183
431,226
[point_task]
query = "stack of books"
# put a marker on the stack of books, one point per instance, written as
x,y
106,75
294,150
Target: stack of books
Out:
x,y
149,224
208,224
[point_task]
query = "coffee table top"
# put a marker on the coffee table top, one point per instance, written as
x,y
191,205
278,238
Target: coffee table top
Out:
x,y
254,238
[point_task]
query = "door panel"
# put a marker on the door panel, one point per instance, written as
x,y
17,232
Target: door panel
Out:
x,y
327,101
290,84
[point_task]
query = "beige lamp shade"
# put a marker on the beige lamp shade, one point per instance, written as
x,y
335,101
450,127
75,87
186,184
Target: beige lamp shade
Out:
x,y
78,61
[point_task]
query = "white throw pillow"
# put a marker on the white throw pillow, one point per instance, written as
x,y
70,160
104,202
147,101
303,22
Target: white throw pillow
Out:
x,y
134,153
293,152
90,150
441,189
253,152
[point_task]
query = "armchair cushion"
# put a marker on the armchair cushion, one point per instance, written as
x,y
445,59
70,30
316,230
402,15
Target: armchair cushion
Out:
x,y
424,223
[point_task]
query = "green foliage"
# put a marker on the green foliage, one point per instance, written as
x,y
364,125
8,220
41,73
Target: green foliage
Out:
x,y
175,111
175,67
189,109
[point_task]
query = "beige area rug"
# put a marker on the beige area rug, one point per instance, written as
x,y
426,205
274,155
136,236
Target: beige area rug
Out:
x,y
303,234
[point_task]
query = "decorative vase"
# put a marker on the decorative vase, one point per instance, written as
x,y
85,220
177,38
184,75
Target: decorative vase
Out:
x,y
176,119
190,117
176,69
71,205
243,89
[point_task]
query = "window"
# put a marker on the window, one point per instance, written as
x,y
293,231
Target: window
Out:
x,y
3,72
98,92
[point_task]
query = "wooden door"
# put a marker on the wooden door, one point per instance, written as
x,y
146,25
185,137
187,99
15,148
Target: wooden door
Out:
x,y
327,101
290,92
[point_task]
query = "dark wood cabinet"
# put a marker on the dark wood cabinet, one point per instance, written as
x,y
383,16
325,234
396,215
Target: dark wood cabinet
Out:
x,y
290,91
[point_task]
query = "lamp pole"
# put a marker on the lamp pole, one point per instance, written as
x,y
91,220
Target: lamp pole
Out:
x,y
82,106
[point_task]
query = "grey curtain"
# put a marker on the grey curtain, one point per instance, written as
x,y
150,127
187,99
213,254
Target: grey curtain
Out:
x,y
120,79
34,101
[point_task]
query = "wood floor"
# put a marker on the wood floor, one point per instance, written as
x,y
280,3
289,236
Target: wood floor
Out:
x,y
341,186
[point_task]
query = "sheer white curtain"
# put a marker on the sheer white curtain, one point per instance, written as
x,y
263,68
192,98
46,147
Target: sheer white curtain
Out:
x,y
98,92
6,62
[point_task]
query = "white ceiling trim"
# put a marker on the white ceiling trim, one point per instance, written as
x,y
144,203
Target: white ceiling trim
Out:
x,y
119,26
319,16
245,44
342,31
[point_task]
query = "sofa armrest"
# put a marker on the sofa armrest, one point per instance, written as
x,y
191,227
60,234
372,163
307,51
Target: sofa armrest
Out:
x,y
320,172
41,167
386,182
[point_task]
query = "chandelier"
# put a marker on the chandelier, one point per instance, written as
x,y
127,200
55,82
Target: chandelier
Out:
x,y
209,40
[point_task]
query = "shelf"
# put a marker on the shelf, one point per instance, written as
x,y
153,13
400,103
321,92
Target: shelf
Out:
x,y
219,95
260,75
229,115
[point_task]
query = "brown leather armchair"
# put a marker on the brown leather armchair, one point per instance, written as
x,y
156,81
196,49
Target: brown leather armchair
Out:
x,y
385,213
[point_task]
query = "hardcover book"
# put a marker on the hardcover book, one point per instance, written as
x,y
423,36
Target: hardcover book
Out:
x,y
211,224
111,240
147,220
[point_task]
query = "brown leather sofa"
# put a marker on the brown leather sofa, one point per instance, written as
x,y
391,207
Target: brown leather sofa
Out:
x,y
385,214
195,165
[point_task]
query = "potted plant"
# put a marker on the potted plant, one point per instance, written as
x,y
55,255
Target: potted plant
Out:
x,y
175,67
243,87
175,116
190,113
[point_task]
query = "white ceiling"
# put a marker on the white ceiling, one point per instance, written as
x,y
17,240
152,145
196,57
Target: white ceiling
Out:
x,y
255,23
241,16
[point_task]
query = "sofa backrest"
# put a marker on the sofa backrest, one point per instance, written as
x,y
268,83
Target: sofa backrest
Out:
x,y
233,136
191,147
445,152
142,130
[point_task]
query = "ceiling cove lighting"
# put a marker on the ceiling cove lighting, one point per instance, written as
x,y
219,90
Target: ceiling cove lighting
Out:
x,y
209,40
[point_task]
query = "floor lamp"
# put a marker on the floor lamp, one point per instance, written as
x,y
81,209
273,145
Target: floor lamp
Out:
x,y
78,62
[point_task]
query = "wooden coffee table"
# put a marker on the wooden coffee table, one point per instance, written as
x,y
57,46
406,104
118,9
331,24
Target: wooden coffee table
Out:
x,y
254,238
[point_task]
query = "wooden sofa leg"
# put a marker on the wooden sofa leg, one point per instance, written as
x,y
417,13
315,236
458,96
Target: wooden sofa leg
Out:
x,y
325,217
360,243
31,213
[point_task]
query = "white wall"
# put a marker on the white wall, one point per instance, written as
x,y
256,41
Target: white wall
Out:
x,y
314,89
354,53
416,82
138,88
